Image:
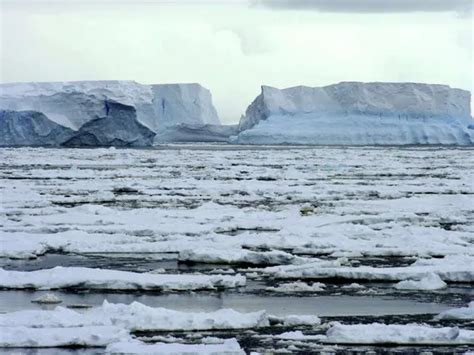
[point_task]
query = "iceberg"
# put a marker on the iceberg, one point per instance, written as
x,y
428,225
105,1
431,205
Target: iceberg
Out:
x,y
355,113
30,128
119,128
86,106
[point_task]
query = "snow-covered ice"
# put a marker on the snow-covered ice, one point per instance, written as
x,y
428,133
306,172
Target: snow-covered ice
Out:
x,y
243,256
48,298
430,282
81,277
137,316
451,268
458,313
297,287
29,337
377,333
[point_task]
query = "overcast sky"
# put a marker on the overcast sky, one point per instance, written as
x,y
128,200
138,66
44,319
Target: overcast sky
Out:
x,y
233,47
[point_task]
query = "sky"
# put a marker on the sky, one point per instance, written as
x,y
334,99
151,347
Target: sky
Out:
x,y
233,47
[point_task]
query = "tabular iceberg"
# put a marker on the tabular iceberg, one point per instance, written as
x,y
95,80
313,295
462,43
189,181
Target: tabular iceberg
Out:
x,y
83,106
354,113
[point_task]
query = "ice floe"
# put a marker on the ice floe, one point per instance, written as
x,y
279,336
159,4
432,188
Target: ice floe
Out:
x,y
29,337
430,282
297,287
48,298
452,268
228,347
458,313
377,333
243,256
135,316
101,279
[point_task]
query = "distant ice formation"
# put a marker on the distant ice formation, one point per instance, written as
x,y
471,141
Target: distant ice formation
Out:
x,y
127,113
354,113
84,107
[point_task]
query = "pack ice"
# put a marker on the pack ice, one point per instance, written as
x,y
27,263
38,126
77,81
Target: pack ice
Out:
x,y
107,113
355,113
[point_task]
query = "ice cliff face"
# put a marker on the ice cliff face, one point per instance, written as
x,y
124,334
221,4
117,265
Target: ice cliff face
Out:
x,y
30,128
74,104
359,113
182,104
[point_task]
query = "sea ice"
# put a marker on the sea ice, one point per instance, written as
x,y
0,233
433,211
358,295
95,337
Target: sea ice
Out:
x,y
29,337
81,277
451,268
228,347
297,287
430,282
458,313
377,333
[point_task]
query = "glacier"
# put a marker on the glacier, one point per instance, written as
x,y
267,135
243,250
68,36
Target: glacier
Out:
x,y
356,113
82,106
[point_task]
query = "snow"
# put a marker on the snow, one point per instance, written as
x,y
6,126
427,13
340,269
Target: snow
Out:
x,y
430,282
73,104
354,113
228,347
101,279
377,333
29,337
458,313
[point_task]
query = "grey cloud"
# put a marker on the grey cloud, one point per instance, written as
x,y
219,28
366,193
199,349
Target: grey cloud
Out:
x,y
369,6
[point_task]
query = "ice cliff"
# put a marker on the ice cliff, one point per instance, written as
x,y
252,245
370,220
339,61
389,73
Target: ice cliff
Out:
x,y
354,113
81,106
